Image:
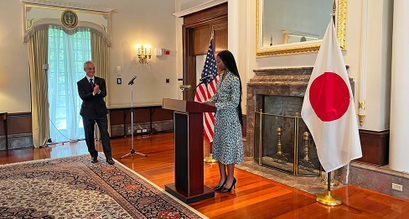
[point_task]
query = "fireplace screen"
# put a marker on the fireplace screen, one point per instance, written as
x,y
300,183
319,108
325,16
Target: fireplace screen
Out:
x,y
282,140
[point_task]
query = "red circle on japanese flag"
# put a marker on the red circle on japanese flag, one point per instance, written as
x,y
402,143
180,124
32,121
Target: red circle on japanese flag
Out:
x,y
329,96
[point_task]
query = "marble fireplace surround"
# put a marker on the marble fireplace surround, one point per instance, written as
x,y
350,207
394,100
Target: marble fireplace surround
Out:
x,y
284,81
279,81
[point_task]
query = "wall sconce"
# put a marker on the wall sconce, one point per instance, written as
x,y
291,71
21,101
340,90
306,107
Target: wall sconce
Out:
x,y
144,53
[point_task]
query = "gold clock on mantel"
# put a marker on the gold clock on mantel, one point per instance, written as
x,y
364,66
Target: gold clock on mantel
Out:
x,y
69,18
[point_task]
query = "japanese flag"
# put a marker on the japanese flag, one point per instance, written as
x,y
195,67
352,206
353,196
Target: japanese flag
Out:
x,y
328,108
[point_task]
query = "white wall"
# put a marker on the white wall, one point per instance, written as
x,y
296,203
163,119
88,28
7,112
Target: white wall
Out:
x,y
14,76
378,64
239,42
143,22
181,5
133,22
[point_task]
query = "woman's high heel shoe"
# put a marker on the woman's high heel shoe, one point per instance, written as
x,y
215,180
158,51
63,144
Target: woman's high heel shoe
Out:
x,y
229,189
217,188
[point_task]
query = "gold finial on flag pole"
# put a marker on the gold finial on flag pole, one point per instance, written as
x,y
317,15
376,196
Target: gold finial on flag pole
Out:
x,y
212,33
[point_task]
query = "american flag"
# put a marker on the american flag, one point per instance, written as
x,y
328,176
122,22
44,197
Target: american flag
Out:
x,y
206,90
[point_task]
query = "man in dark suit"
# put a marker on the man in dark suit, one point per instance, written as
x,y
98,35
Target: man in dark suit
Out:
x,y
92,90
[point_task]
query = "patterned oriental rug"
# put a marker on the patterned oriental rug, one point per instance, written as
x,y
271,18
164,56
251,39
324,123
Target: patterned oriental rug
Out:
x,y
73,187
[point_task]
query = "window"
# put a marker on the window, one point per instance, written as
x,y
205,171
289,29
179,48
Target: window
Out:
x,y
66,56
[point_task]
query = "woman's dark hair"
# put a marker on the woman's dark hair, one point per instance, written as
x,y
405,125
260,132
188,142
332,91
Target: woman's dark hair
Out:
x,y
228,60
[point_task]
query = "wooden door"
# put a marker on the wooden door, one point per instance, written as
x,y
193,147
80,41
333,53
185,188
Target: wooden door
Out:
x,y
197,28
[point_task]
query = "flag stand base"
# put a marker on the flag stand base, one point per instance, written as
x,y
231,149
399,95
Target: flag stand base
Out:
x,y
328,199
209,159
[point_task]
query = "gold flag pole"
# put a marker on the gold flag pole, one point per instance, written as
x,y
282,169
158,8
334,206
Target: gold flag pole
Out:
x,y
328,198
333,181
210,159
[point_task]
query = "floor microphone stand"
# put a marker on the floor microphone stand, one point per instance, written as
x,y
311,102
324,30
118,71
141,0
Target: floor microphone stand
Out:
x,y
132,149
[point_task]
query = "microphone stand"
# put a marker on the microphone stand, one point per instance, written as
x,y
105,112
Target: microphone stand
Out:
x,y
132,149
195,89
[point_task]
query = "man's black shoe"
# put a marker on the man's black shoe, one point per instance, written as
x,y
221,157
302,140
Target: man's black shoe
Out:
x,y
110,161
94,160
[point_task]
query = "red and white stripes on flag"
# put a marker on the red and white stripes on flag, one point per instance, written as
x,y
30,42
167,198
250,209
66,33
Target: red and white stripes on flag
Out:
x,y
328,108
206,90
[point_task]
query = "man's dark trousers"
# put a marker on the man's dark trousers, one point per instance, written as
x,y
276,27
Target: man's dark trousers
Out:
x,y
89,124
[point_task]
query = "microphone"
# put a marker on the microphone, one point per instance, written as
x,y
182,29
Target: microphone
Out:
x,y
131,81
185,87
205,78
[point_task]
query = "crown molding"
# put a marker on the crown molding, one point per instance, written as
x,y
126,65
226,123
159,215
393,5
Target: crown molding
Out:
x,y
200,7
68,5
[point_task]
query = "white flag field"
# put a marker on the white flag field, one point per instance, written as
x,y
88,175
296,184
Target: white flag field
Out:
x,y
328,108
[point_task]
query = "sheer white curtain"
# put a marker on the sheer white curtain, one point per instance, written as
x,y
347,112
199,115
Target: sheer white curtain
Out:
x,y
66,56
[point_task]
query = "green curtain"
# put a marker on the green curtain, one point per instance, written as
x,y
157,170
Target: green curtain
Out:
x,y
37,47
100,56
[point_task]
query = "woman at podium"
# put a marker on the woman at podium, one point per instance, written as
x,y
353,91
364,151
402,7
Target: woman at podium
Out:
x,y
227,139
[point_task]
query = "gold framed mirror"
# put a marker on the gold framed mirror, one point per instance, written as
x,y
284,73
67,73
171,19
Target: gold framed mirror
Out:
x,y
286,27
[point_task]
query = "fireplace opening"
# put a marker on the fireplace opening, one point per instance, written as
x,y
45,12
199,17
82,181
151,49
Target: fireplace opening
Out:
x,y
281,138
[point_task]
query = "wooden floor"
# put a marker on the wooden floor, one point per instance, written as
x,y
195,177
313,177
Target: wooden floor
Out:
x,y
254,196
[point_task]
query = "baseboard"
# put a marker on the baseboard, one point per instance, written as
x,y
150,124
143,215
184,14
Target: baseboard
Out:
x,y
379,179
16,141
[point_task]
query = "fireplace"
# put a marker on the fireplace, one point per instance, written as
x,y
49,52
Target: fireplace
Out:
x,y
281,139
276,134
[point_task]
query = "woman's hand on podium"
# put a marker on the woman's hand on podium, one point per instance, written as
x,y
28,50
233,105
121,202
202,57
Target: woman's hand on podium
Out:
x,y
210,104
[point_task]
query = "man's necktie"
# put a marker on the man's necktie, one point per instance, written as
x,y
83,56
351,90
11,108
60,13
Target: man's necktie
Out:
x,y
92,83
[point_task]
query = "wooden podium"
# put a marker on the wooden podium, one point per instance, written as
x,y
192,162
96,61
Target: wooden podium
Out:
x,y
188,128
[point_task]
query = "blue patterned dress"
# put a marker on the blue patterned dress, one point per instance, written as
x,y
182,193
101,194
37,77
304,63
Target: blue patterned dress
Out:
x,y
227,139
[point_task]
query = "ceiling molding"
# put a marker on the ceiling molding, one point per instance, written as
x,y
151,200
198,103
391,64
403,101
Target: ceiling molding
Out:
x,y
199,8
68,5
